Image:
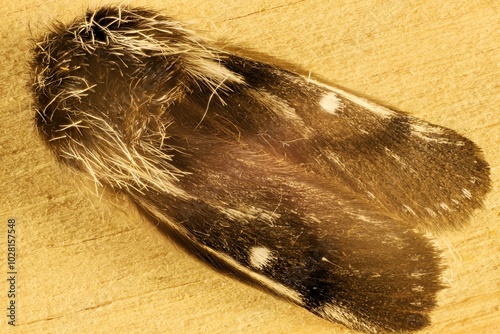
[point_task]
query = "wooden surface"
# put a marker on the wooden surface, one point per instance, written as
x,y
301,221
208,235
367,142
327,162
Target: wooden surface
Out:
x,y
89,265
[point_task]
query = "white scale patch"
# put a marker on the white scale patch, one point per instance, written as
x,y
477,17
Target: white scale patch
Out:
x,y
444,206
417,275
406,208
423,128
382,112
260,257
418,288
466,193
250,213
370,195
331,103
431,133
281,108
335,159
344,316
431,212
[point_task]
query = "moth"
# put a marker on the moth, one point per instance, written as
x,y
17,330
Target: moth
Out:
x,y
304,189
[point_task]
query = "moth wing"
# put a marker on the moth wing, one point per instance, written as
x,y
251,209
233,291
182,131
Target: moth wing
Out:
x,y
421,172
317,244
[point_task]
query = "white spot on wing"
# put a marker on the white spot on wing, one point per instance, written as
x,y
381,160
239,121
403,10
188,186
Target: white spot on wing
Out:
x,y
431,212
259,257
344,316
219,72
393,155
375,108
370,195
466,193
417,274
281,108
250,213
277,104
335,159
331,103
431,133
426,128
406,208
418,288
444,206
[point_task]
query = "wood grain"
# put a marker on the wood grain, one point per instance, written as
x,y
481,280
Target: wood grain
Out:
x,y
88,265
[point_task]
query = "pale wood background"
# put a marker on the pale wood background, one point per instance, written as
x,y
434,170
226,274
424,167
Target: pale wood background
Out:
x,y
94,266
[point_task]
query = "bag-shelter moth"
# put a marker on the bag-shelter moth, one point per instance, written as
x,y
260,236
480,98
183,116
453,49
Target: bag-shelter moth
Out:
x,y
304,189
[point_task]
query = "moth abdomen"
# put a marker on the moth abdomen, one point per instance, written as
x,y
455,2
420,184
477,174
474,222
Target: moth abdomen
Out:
x,y
305,189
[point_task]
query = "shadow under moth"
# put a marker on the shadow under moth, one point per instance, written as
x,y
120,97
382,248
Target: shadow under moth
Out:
x,y
306,190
